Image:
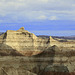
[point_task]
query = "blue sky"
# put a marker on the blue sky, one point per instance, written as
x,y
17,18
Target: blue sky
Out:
x,y
41,17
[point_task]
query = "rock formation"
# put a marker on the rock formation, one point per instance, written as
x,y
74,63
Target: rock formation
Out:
x,y
40,56
52,61
24,41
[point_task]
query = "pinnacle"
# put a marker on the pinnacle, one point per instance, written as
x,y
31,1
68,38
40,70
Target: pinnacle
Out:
x,y
22,28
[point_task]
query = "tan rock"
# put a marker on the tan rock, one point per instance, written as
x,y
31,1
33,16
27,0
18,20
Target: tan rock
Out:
x,y
24,42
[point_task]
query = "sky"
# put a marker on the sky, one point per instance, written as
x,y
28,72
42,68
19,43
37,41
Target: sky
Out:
x,y
41,17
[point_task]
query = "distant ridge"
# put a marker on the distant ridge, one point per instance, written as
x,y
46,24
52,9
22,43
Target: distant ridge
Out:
x,y
60,37
1,33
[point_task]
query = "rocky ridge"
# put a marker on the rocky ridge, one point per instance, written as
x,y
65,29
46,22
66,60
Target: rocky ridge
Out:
x,y
34,55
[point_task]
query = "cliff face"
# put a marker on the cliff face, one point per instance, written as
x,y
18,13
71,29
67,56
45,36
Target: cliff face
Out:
x,y
28,44
67,44
23,41
52,61
44,56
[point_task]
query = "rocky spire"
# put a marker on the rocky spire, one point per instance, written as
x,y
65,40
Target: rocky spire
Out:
x,y
22,28
51,39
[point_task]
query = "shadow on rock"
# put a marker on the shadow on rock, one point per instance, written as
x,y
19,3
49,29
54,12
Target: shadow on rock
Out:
x,y
6,50
46,66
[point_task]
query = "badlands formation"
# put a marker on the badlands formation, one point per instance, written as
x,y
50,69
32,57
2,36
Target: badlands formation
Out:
x,y
26,43
23,53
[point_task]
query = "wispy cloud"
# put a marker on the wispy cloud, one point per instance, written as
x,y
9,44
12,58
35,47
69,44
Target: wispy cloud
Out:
x,y
53,18
30,10
42,17
55,33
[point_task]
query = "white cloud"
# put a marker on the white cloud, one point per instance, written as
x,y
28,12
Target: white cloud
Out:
x,y
53,18
1,20
42,17
44,1
73,5
41,9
